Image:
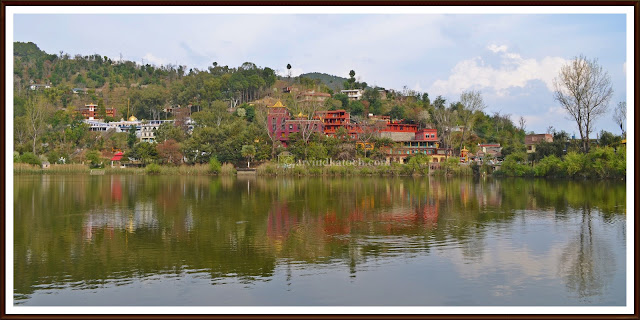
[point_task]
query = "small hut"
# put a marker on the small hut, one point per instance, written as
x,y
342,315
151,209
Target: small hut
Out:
x,y
116,158
45,165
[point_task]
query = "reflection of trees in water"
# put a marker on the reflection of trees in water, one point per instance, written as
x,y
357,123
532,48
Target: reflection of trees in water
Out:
x,y
221,226
587,263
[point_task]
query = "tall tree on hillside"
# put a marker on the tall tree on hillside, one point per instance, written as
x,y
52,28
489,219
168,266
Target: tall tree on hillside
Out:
x,y
36,113
262,121
471,102
445,119
620,115
583,89
523,123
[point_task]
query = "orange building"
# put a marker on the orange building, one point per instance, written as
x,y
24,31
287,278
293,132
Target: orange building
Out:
x,y
90,112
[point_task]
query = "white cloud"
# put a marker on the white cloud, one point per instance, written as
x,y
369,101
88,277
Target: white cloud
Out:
x,y
554,116
495,48
514,71
151,59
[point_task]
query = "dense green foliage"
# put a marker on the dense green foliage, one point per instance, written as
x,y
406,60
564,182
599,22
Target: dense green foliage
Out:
x,y
600,162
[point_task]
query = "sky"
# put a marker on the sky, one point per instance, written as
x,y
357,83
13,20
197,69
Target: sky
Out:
x,y
510,58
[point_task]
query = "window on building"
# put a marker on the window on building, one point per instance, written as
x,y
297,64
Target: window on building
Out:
x,y
290,127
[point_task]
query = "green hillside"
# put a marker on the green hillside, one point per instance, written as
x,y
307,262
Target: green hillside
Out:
x,y
334,83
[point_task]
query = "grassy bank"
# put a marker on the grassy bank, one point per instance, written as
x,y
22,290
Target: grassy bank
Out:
x,y
394,169
189,170
265,169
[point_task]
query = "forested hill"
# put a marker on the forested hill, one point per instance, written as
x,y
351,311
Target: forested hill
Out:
x,y
149,88
334,83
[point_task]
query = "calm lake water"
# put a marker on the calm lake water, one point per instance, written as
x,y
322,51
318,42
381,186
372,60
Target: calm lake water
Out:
x,y
210,241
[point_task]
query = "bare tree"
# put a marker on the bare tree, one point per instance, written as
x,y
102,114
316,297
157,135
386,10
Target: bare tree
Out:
x,y
36,112
620,115
445,118
584,89
523,123
368,130
305,120
472,102
262,119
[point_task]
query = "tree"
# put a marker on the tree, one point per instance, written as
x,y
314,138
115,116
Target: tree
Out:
x,y
620,115
168,131
522,122
132,138
583,89
445,118
396,112
145,151
169,151
94,159
471,102
248,151
352,80
36,112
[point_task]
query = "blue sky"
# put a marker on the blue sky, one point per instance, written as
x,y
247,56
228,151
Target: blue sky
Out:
x,y
510,58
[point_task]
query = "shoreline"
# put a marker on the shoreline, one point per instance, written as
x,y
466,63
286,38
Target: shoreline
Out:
x,y
272,170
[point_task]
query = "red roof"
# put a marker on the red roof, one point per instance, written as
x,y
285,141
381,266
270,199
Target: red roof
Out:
x,y
117,157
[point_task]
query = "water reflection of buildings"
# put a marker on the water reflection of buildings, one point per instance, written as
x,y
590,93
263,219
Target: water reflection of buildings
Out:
x,y
279,221
142,216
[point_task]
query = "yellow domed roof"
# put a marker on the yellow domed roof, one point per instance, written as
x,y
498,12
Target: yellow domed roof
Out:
x,y
133,118
277,105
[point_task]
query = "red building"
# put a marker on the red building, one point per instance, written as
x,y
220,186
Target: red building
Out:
x,y
90,112
398,126
334,119
281,124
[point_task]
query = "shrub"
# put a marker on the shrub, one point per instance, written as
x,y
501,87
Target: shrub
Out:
x,y
601,162
383,170
30,158
514,165
315,171
214,165
550,166
267,169
337,170
417,164
227,169
574,164
153,169
366,171
299,171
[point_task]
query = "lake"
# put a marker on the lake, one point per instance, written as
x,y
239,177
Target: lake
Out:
x,y
354,241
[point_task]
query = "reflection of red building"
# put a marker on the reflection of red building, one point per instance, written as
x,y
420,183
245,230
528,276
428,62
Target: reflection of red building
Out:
x,y
279,222
333,225
116,188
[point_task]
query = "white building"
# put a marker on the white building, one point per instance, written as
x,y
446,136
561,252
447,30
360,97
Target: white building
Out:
x,y
353,94
148,130
39,86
